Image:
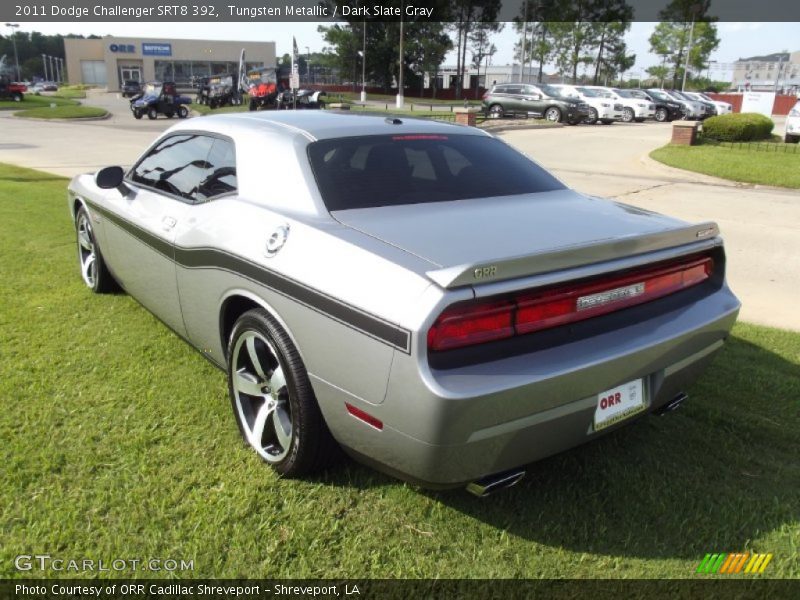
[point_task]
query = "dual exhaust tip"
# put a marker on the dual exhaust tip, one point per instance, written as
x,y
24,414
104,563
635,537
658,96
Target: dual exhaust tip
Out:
x,y
501,481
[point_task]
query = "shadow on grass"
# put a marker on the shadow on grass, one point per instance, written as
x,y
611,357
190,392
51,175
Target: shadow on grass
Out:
x,y
711,477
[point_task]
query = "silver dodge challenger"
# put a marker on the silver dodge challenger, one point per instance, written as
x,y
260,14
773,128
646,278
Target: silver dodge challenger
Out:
x,y
417,293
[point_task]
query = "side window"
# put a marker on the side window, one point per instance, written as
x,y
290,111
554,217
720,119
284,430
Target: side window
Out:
x,y
176,166
513,89
221,175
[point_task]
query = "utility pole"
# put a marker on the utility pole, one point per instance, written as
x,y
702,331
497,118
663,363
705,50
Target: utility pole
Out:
x,y
44,65
688,53
524,44
14,27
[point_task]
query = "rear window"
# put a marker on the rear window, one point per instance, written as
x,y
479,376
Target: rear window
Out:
x,y
392,170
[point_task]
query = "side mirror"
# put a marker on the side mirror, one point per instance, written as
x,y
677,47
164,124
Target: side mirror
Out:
x,y
110,178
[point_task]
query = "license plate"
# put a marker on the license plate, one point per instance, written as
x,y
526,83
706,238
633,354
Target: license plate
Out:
x,y
619,403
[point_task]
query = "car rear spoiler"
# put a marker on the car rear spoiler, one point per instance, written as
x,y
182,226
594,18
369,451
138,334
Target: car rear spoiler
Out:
x,y
572,256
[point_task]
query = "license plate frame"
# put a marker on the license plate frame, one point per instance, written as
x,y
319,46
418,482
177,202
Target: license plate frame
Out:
x,y
619,403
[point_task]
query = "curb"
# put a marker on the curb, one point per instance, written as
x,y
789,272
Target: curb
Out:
x,y
68,120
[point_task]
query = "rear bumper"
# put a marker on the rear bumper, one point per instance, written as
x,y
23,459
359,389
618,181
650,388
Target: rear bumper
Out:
x,y
445,428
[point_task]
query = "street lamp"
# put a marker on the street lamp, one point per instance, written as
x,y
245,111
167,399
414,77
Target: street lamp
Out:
x,y
44,65
308,65
13,27
364,61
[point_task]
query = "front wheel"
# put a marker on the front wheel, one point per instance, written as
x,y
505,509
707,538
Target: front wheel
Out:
x,y
592,118
183,112
553,114
627,115
94,272
662,116
272,398
137,114
152,114
496,111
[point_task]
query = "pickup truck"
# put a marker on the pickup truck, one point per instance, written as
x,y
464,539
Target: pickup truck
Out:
x,y
10,90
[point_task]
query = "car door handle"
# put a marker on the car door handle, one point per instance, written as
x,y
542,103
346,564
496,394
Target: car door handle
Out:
x,y
168,223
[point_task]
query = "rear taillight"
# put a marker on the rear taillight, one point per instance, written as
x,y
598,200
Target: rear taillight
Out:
x,y
476,322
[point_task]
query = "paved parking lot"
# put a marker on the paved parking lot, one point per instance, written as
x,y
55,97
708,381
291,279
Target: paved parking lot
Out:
x,y
759,224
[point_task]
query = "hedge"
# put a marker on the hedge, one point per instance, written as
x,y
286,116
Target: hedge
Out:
x,y
738,127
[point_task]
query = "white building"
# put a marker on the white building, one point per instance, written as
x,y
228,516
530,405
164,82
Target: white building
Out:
x,y
448,74
780,70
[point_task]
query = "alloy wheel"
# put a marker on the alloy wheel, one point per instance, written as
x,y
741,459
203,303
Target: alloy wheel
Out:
x,y
261,396
86,250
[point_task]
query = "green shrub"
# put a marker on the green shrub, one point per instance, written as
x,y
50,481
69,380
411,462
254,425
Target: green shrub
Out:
x,y
738,127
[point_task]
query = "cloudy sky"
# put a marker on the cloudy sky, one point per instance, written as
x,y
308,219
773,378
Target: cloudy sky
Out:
x,y
738,40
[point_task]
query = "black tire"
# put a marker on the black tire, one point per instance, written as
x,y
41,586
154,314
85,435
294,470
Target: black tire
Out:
x,y
553,114
662,115
94,272
137,113
311,446
592,118
16,97
627,115
496,111
253,105
183,112
152,114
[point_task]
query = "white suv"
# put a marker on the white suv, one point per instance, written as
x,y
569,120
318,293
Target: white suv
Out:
x,y
604,109
723,108
633,109
792,135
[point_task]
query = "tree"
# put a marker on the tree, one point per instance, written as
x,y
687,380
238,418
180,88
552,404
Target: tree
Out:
x,y
466,14
660,72
482,45
683,19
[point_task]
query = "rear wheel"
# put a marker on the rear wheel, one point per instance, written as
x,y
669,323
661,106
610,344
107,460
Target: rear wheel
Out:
x,y
627,115
662,116
183,112
592,118
152,114
553,114
272,398
94,272
496,111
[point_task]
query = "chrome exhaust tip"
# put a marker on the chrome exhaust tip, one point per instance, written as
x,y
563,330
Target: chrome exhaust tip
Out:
x,y
494,483
673,404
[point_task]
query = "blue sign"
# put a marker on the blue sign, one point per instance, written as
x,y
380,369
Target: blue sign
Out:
x,y
128,48
157,49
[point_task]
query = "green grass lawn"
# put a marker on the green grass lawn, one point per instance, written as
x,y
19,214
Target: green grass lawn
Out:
x,y
62,112
204,109
748,166
118,441
33,101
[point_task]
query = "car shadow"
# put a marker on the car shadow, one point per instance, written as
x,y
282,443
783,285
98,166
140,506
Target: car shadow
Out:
x,y
712,476
709,477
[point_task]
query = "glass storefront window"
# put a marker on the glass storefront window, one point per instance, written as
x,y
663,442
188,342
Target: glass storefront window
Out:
x,y
164,71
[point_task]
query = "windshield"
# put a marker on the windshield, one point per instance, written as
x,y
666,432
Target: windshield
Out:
x,y
677,94
626,93
153,89
553,92
659,95
589,93
392,170
600,93
262,76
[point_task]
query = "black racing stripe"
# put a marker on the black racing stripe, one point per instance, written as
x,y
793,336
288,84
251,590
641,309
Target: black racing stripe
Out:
x,y
210,258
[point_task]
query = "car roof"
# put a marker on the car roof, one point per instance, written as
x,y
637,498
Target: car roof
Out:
x,y
320,124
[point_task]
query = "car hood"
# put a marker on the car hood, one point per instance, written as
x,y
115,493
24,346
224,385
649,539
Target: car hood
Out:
x,y
495,230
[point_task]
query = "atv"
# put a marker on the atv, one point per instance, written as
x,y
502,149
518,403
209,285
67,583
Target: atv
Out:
x,y
219,90
10,90
262,88
160,98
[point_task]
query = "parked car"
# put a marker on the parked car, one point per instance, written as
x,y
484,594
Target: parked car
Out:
x,y
633,109
692,109
722,108
792,134
667,108
44,86
10,90
158,98
131,88
603,109
539,101
417,292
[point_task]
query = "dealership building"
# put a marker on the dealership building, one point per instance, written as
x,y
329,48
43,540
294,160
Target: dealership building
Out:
x,y
109,61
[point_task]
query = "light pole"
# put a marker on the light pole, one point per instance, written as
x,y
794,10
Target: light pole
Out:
x,y
14,27
44,65
364,61
399,102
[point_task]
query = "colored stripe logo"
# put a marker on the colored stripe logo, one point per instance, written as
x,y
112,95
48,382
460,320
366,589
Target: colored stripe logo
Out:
x,y
737,562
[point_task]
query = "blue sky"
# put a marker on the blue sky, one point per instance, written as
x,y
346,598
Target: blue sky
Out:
x,y
738,40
